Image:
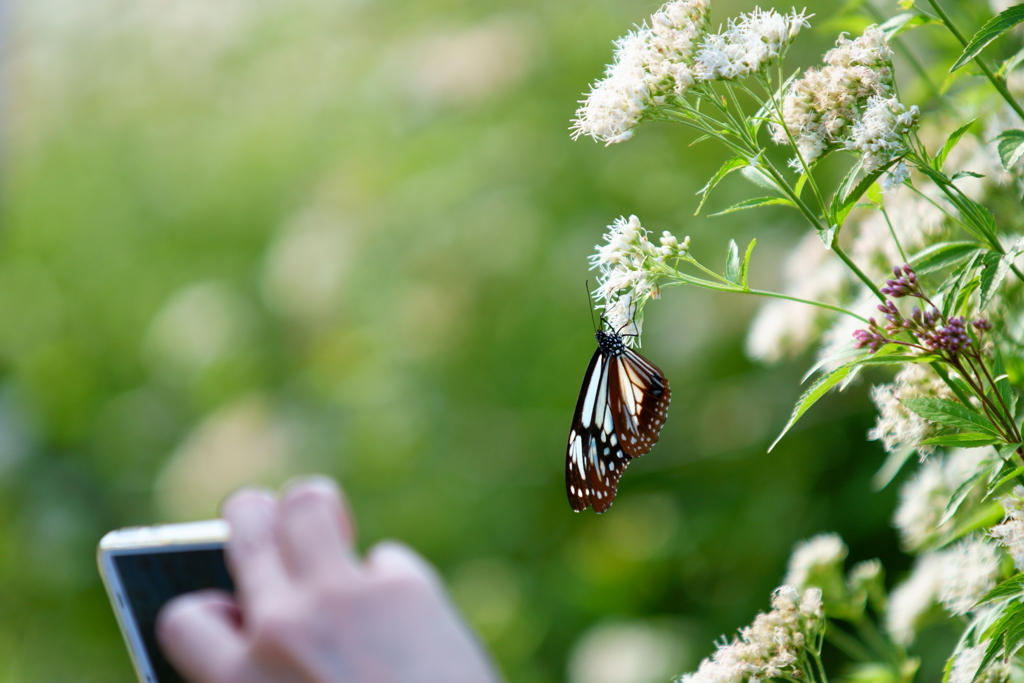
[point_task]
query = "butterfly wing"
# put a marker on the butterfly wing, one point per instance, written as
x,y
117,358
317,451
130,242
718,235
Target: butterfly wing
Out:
x,y
594,458
638,395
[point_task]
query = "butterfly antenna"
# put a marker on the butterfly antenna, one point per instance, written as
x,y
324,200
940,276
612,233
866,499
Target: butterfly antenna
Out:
x,y
590,305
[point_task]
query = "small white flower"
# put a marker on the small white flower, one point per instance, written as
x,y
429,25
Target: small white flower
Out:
x,y
650,64
628,264
1010,532
823,554
895,178
748,44
970,569
923,498
910,601
897,426
877,136
615,104
965,668
828,104
772,646
871,49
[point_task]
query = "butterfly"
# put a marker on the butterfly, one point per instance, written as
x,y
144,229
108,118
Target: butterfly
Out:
x,y
621,409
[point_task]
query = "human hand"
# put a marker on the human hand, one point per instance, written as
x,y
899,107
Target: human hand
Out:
x,y
308,609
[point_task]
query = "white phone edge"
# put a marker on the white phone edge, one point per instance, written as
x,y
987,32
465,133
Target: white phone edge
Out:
x,y
211,533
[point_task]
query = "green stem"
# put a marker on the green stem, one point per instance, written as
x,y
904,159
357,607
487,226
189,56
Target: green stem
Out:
x,y
819,304
821,666
848,644
997,82
684,279
941,372
895,239
789,136
861,275
990,409
881,645
1013,436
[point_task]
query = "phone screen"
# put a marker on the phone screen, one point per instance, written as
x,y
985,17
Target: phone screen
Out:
x,y
152,577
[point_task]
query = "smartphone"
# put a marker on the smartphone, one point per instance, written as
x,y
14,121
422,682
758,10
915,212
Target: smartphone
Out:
x,y
144,567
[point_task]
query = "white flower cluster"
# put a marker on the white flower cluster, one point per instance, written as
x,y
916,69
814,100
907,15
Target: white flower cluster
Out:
x,y
877,136
956,578
772,646
829,105
822,555
965,668
748,44
650,63
1010,532
627,264
897,426
665,59
923,497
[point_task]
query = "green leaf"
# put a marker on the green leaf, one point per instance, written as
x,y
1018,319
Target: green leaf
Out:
x,y
896,359
957,282
997,484
1010,588
996,268
811,396
942,255
846,196
1002,380
1007,450
966,174
845,350
940,159
798,188
759,178
1007,629
828,235
962,440
974,217
1010,144
997,26
1010,64
874,194
902,23
891,467
732,263
745,267
990,277
982,518
727,168
960,495
949,413
754,203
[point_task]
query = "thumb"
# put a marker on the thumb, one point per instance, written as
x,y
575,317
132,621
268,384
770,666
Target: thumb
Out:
x,y
199,634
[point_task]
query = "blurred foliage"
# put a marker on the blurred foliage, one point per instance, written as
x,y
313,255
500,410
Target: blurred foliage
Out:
x,y
245,239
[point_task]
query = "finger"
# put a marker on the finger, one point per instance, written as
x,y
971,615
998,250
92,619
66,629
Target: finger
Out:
x,y
316,531
391,559
253,554
199,634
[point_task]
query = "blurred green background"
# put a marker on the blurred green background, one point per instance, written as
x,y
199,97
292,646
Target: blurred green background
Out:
x,y
245,239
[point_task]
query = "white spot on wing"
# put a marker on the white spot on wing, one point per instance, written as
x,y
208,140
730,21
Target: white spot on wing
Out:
x,y
588,400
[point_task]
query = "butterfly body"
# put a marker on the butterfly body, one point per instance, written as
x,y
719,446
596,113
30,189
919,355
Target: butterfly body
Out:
x,y
619,414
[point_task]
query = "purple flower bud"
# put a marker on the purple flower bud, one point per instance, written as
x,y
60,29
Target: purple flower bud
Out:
x,y
870,338
904,284
982,324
